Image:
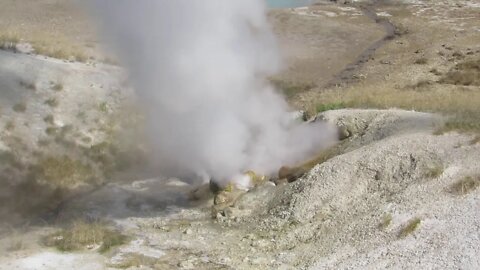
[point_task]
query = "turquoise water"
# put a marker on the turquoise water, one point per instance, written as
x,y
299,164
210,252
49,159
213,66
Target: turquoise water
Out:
x,y
288,3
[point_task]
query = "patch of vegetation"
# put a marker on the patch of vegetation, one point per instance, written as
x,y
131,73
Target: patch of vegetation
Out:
x,y
411,226
57,87
458,54
62,171
86,139
462,106
20,107
106,155
421,61
434,171
49,119
28,85
423,83
80,57
465,73
460,78
465,185
82,235
60,52
435,71
290,89
66,129
385,222
469,123
10,125
330,106
51,131
475,140
9,41
52,102
103,107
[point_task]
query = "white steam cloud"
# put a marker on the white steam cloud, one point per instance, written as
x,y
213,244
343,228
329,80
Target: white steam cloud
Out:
x,y
200,69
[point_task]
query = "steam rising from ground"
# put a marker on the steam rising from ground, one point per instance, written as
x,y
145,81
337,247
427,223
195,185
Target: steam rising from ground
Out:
x,y
200,69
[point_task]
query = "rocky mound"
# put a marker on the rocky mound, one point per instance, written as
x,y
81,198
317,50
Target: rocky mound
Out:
x,y
396,195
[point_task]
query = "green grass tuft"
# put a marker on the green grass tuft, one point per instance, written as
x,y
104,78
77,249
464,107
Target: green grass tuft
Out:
x,y
411,226
57,87
330,106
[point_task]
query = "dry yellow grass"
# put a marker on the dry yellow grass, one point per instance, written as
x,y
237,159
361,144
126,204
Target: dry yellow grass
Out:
x,y
61,50
465,185
462,105
434,171
9,40
83,235
45,44
63,171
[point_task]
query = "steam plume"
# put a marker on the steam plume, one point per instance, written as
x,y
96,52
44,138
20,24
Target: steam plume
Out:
x,y
200,69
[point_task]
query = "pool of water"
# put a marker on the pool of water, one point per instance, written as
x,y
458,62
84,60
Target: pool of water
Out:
x,y
288,3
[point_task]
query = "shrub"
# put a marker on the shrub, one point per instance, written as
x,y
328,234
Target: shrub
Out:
x,y
52,102
9,42
385,222
20,107
10,125
465,185
28,85
57,87
421,61
49,119
62,171
434,171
